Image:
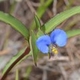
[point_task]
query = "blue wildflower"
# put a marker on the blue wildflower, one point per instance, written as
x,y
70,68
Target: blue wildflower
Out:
x,y
43,43
57,37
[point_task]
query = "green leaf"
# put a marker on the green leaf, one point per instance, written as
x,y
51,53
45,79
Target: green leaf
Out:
x,y
33,46
14,58
43,7
1,0
28,71
17,75
40,11
72,33
38,25
16,24
59,18
39,33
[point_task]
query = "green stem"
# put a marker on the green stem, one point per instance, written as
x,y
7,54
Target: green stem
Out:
x,y
15,62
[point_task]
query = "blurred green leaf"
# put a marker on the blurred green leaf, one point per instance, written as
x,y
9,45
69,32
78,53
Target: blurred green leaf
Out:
x,y
39,32
17,75
72,33
33,46
40,11
16,24
28,71
38,25
2,0
43,7
59,18
14,58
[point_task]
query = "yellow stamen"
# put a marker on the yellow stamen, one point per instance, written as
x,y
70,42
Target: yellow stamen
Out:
x,y
54,50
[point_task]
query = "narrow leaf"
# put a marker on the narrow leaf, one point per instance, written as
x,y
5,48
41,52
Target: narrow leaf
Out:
x,y
40,11
33,46
59,18
14,59
38,25
72,33
43,7
39,33
17,75
16,24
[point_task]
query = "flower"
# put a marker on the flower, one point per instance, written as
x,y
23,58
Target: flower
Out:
x,y
43,42
57,37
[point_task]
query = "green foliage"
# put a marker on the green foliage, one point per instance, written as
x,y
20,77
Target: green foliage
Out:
x,y
17,75
72,33
46,28
16,24
37,21
13,59
59,18
43,7
41,10
33,46
28,71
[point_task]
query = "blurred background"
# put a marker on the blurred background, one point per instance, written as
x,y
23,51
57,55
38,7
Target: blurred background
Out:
x,y
66,66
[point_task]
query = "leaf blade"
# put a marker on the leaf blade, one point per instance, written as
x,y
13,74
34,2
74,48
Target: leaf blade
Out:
x,y
16,24
14,59
33,46
38,25
40,11
55,21
72,33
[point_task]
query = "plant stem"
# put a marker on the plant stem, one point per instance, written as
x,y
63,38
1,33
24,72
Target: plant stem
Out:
x,y
15,62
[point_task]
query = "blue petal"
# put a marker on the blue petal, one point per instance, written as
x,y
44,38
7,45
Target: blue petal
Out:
x,y
43,42
59,37
43,48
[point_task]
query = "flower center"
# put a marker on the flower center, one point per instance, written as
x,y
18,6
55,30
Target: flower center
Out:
x,y
53,49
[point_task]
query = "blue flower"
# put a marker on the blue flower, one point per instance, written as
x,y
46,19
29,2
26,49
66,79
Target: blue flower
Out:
x,y
57,37
43,43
